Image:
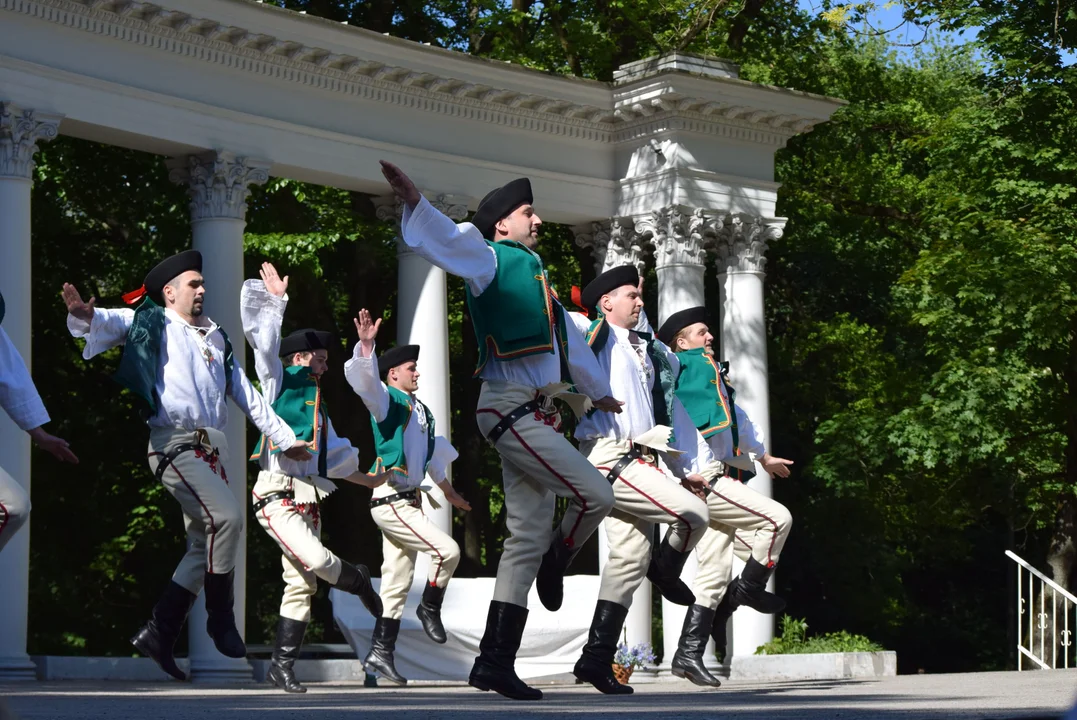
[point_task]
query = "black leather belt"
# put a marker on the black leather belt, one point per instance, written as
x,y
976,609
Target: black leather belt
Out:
x,y
509,420
634,454
273,497
409,495
169,457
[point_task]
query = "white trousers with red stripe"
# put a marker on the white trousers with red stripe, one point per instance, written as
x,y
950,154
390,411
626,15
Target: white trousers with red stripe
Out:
x,y
406,532
212,515
744,523
297,530
14,508
538,464
644,496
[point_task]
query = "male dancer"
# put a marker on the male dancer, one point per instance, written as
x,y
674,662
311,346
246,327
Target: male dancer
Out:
x,y
179,363
21,402
528,351
287,493
408,448
743,521
626,448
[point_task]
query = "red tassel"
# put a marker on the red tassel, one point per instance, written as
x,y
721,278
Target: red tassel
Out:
x,y
135,295
577,300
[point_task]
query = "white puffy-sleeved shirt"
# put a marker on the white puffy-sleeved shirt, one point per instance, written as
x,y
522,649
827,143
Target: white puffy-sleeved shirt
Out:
x,y
461,250
632,376
18,395
262,313
362,374
190,385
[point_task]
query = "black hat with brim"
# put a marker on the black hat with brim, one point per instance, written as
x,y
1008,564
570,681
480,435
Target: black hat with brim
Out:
x,y
500,203
168,269
607,282
305,340
397,356
679,321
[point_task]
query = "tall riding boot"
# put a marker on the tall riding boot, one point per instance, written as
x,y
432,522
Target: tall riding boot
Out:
x,y
429,613
596,662
721,622
751,589
285,653
688,660
382,644
494,668
157,638
665,573
550,581
355,579
221,617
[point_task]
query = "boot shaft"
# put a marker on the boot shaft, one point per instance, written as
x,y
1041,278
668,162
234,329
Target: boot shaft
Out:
x,y
385,634
606,625
504,631
289,641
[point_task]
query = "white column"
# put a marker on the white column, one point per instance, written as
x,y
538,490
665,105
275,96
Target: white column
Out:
x,y
741,247
218,185
614,243
20,131
680,238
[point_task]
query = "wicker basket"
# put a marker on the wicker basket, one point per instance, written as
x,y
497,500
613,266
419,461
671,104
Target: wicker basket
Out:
x,y
622,673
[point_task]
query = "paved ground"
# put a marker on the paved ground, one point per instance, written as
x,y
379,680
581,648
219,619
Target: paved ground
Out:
x,y
980,696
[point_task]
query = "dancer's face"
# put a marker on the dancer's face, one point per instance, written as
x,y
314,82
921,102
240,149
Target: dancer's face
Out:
x,y
316,360
521,225
185,293
696,335
405,377
622,306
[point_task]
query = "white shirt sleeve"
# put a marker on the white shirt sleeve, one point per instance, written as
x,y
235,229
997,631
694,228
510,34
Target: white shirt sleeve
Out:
x,y
255,407
18,395
749,436
107,330
457,249
586,373
342,459
697,457
443,456
362,374
263,313
581,321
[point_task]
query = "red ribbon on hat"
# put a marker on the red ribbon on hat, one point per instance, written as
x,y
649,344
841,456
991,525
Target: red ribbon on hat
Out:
x,y
577,299
135,295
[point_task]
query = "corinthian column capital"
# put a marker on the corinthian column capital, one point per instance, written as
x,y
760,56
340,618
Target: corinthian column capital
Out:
x,y
612,243
218,183
390,209
20,131
741,245
680,236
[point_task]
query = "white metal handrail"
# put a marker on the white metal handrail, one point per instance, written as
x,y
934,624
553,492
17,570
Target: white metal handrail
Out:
x,y
1042,631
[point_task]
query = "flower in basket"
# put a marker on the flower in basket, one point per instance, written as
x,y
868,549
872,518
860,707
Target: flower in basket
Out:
x,y
634,657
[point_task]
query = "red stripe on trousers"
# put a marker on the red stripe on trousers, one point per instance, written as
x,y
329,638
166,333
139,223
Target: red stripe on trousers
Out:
x,y
212,524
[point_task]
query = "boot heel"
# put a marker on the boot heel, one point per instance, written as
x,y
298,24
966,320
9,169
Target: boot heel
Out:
x,y
478,685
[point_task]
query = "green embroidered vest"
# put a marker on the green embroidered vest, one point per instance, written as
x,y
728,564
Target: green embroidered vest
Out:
x,y
142,351
516,315
300,405
389,434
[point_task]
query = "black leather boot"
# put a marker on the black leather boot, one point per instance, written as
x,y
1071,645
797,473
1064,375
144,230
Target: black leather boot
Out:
x,y
429,613
157,638
221,617
665,573
494,668
751,589
380,658
550,581
596,662
720,623
355,579
289,640
688,660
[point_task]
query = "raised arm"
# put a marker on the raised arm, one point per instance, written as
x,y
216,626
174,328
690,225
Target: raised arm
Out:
x,y
457,249
22,403
102,329
362,370
262,304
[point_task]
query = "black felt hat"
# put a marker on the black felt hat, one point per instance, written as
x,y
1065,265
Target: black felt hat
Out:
x,y
500,203
156,279
679,321
305,340
607,282
397,356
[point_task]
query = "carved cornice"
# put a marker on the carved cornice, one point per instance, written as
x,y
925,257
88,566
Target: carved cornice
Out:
x,y
741,245
20,131
680,235
218,183
154,26
612,243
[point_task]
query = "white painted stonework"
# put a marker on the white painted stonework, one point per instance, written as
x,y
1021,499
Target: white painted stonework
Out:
x,y
671,163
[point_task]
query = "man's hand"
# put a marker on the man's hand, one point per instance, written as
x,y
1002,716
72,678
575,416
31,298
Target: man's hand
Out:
x,y
696,485
608,404
299,451
82,310
775,465
401,184
370,481
455,499
275,285
57,447
367,330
